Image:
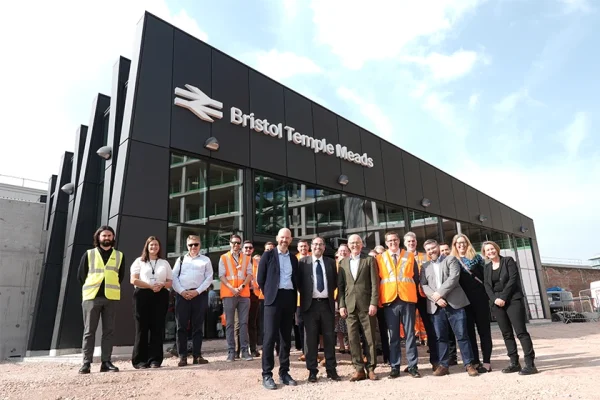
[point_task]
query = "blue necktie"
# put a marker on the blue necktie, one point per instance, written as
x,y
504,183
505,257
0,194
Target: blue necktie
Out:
x,y
320,281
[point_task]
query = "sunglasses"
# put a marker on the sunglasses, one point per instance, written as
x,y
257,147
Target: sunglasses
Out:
x,y
248,247
236,243
193,244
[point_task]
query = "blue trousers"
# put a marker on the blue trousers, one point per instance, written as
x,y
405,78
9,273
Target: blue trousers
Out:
x,y
457,318
396,312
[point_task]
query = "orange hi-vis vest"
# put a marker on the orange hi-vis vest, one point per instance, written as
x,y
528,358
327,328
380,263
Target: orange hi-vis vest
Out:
x,y
235,274
335,292
299,256
396,280
257,292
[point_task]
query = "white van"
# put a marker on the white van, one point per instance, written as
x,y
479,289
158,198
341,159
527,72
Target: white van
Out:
x,y
595,295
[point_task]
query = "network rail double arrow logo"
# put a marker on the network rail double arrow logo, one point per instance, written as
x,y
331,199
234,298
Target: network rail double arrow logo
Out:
x,y
198,103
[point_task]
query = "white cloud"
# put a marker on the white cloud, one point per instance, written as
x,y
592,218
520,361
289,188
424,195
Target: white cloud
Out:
x,y
473,101
290,9
509,104
379,122
282,65
571,6
358,33
575,133
446,67
445,113
68,57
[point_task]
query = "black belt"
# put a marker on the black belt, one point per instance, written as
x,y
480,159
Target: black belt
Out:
x,y
320,299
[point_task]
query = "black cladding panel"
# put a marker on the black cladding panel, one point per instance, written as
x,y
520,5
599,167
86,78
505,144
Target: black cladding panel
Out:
x,y
301,163
349,136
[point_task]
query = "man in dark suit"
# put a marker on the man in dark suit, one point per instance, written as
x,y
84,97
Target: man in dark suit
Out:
x,y
358,292
277,279
317,281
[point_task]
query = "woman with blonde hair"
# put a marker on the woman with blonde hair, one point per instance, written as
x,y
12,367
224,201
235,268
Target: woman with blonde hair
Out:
x,y
478,312
503,286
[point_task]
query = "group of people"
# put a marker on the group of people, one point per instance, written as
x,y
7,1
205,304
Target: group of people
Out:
x,y
449,287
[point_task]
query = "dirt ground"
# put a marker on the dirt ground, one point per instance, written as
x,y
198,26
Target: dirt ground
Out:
x,y
568,357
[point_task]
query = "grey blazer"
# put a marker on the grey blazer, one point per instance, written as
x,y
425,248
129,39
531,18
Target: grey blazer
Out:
x,y
448,288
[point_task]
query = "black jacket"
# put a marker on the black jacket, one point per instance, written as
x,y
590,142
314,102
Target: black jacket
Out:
x,y
268,274
306,281
509,286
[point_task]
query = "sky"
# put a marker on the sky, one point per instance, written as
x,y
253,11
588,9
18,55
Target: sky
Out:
x,y
502,94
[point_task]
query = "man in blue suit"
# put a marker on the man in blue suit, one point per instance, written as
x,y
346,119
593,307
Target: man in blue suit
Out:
x,y
277,279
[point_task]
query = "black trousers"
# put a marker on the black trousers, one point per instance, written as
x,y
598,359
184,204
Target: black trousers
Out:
x,y
478,314
299,330
431,341
278,323
383,331
193,311
253,322
319,319
512,317
149,310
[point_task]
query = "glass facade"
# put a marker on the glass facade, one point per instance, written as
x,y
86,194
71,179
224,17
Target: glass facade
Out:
x,y
425,226
529,278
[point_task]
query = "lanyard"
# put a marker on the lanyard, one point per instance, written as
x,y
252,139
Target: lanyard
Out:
x,y
152,266
468,270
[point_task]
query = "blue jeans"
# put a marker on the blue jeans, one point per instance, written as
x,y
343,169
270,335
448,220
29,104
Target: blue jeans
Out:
x,y
396,312
458,323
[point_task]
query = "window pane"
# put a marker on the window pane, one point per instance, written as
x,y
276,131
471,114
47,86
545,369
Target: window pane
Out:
x,y
424,225
376,224
449,230
187,190
354,216
529,277
301,217
329,217
225,199
269,195
395,220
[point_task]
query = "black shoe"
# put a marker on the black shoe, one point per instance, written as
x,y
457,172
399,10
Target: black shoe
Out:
x,y
287,380
528,370
269,383
452,361
255,353
333,375
182,362
199,360
414,372
154,364
512,368
237,356
85,368
482,370
141,365
107,366
395,373
312,377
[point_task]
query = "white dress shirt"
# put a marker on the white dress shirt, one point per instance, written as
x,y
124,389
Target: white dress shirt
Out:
x,y
354,262
196,273
316,294
437,268
151,271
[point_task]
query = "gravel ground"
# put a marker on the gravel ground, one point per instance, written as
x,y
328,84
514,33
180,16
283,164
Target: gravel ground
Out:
x,y
568,357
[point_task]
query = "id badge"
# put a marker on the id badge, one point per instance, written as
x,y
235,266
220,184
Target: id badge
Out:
x,y
152,280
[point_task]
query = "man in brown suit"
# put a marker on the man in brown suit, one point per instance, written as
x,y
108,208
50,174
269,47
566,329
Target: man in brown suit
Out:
x,y
358,291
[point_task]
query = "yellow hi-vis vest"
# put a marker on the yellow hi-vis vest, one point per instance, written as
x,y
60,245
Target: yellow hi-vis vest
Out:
x,y
98,272
396,280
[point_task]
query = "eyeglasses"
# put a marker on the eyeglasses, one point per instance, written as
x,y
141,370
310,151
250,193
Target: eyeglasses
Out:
x,y
236,243
248,247
461,243
393,240
193,244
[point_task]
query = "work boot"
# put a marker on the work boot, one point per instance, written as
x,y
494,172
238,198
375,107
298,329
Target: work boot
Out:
x,y
85,368
529,369
441,371
199,360
182,362
246,356
512,367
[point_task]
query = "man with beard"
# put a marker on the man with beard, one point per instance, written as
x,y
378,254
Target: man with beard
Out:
x,y
100,274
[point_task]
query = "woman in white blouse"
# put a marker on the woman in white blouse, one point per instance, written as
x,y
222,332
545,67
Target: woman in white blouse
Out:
x,y
152,277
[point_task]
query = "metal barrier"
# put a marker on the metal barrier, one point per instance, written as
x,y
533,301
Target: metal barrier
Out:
x,y
579,309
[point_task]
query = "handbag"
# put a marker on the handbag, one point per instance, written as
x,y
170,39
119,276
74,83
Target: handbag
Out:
x,y
468,270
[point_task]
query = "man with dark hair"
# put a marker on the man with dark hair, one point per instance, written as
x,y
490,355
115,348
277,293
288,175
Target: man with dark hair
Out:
x,y
269,246
100,274
235,273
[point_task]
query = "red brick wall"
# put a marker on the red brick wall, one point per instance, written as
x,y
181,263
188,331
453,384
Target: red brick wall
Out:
x,y
572,279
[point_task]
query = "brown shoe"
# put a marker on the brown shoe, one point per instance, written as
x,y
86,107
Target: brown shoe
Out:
x,y
434,367
302,358
319,359
471,370
441,371
365,360
372,376
323,362
358,376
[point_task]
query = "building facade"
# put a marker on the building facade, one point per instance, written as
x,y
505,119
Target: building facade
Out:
x,y
202,144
